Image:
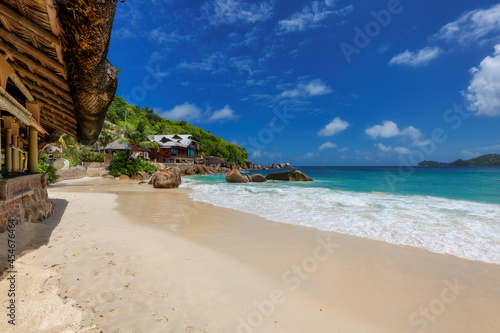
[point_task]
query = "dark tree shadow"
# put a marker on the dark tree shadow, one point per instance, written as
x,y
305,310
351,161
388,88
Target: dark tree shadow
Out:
x,y
31,236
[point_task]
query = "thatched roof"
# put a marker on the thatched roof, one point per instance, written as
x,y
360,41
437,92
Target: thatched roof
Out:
x,y
58,49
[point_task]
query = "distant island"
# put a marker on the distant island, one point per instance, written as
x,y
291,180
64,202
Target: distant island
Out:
x,y
485,160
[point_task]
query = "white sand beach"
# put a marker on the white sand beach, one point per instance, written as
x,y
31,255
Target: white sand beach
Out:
x,y
120,257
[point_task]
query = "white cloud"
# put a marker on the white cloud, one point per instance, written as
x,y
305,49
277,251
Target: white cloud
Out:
x,y
237,11
472,26
336,126
390,129
483,93
214,63
343,149
420,58
315,88
402,150
191,112
383,148
327,145
308,155
185,112
223,114
307,89
311,16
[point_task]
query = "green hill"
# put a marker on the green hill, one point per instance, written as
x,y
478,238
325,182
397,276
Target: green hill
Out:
x,y
211,145
485,160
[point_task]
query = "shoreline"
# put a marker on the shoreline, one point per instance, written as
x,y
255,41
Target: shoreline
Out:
x,y
216,269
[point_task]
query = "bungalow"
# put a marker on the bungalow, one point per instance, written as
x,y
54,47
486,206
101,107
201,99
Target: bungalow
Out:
x,y
174,148
121,147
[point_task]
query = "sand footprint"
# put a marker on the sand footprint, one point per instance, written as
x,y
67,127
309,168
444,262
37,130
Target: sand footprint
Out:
x,y
191,329
160,318
157,294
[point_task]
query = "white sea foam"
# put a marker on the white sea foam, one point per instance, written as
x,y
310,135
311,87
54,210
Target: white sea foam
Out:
x,y
461,228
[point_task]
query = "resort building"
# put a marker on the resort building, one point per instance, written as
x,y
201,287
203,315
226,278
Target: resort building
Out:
x,y
54,79
174,149
121,147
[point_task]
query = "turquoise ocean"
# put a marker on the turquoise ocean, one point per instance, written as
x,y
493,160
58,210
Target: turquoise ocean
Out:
x,y
448,210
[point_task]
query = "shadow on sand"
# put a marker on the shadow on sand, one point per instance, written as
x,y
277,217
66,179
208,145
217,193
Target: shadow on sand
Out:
x,y
30,236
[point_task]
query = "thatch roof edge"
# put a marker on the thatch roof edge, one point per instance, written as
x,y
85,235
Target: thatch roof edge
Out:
x,y
87,28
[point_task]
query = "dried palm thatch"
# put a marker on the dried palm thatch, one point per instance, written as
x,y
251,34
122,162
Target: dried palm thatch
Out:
x,y
58,49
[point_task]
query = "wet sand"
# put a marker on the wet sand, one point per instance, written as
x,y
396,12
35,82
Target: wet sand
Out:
x,y
128,258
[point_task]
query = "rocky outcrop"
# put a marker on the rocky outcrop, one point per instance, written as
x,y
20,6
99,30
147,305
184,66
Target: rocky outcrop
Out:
x,y
198,169
256,178
217,162
293,176
280,166
159,166
170,178
251,166
144,176
124,177
235,177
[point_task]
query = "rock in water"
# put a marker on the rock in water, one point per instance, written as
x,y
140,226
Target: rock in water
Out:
x,y
235,177
170,178
256,178
293,176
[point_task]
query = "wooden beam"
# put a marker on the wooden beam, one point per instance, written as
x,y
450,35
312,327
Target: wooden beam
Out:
x,y
35,53
54,22
47,122
55,100
48,112
55,26
24,23
42,82
52,105
52,122
58,116
33,86
32,64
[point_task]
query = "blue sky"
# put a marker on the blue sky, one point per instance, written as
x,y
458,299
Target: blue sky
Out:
x,y
327,82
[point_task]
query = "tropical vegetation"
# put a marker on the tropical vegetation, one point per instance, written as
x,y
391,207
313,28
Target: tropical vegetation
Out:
x,y
126,116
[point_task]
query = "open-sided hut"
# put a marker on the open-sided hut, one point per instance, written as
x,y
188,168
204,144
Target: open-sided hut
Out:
x,y
54,79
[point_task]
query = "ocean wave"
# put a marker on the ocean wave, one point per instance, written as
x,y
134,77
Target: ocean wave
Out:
x,y
464,229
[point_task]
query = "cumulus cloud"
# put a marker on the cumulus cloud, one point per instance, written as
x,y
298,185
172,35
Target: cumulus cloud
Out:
x,y
415,59
483,93
390,129
191,112
223,114
337,125
307,89
185,111
237,11
383,148
327,145
474,25
311,16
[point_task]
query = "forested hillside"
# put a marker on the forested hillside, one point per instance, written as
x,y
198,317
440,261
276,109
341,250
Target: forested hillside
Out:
x,y
120,112
485,160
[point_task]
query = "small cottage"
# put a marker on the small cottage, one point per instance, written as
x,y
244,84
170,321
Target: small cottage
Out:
x,y
174,149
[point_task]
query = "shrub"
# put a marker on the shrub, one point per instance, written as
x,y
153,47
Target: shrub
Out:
x,y
51,172
89,156
123,165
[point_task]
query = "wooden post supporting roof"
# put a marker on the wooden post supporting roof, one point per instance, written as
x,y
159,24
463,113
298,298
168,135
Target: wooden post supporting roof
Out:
x,y
34,108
